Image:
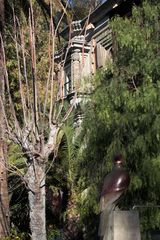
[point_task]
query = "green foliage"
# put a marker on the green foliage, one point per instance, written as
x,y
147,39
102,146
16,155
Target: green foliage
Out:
x,y
16,157
123,117
70,151
137,43
14,235
19,209
54,234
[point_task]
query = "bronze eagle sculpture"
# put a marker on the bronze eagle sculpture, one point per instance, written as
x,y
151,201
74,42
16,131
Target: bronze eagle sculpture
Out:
x,y
114,186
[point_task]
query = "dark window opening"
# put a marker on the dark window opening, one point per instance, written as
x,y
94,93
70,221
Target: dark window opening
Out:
x,y
67,82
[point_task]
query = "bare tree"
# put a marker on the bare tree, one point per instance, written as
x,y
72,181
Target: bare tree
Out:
x,y
37,131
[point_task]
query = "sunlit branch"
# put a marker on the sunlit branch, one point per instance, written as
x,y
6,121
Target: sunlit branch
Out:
x,y
23,101
33,56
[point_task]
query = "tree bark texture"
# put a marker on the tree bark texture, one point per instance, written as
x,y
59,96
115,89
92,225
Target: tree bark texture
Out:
x,y
4,198
36,184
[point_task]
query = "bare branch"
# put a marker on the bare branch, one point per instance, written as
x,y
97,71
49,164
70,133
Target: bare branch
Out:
x,y
33,55
49,72
25,67
70,109
46,93
4,113
19,71
16,123
52,70
9,130
60,20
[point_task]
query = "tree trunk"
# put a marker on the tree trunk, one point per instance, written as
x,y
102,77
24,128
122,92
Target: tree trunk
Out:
x,y
4,199
36,184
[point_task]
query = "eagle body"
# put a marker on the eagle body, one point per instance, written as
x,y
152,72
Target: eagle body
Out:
x,y
114,186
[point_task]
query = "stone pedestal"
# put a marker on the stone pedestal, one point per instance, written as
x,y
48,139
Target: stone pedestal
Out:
x,y
124,225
